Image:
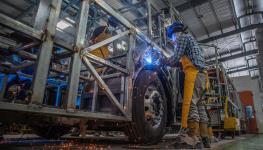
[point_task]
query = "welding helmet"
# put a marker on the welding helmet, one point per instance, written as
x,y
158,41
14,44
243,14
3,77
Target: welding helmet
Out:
x,y
174,27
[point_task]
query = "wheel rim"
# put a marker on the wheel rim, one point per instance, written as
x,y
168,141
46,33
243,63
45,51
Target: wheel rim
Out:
x,y
153,106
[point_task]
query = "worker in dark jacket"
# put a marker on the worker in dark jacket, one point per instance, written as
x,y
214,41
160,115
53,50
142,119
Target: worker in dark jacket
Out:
x,y
190,55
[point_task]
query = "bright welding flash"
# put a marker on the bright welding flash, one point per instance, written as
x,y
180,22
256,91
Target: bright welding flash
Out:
x,y
174,39
149,59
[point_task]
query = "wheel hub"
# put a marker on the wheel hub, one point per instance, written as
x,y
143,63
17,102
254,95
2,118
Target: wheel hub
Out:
x,y
153,106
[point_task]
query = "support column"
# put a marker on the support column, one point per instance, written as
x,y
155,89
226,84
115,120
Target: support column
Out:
x,y
128,81
58,96
95,96
42,14
259,39
3,86
44,55
75,64
149,16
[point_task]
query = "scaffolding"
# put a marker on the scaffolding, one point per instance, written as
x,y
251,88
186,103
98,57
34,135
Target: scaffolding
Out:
x,y
43,33
222,99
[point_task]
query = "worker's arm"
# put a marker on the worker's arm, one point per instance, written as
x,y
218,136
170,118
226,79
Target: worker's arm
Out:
x,y
182,43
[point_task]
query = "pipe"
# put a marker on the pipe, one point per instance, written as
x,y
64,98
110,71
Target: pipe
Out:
x,y
26,46
14,68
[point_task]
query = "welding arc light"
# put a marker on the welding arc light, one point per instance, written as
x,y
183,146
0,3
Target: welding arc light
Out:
x,y
149,59
152,57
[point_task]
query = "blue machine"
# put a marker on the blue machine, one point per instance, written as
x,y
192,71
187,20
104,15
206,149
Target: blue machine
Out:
x,y
21,76
58,84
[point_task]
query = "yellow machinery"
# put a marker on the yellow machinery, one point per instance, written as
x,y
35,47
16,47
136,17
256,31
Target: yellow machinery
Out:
x,y
103,51
231,124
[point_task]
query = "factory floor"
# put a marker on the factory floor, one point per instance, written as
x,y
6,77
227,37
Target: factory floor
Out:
x,y
252,142
244,142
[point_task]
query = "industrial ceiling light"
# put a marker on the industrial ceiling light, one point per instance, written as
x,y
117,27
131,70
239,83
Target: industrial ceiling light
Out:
x,y
63,24
70,20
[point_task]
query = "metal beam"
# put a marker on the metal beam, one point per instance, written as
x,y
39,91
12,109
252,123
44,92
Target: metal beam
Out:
x,y
20,27
35,109
128,80
247,53
242,69
103,86
3,86
12,5
190,4
105,62
216,17
236,67
131,7
135,9
43,12
201,21
225,53
233,13
226,34
75,65
129,25
149,18
44,56
35,33
24,13
104,42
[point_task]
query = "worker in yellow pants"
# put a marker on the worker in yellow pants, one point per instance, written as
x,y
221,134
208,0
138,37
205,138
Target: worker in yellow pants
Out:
x,y
190,55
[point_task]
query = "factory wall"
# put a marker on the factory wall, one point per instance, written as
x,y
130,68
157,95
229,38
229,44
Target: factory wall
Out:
x,y
246,83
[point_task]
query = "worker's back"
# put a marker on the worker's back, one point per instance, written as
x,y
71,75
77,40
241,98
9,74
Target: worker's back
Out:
x,y
193,51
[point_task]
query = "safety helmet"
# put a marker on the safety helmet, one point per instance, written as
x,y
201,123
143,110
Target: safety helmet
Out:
x,y
174,27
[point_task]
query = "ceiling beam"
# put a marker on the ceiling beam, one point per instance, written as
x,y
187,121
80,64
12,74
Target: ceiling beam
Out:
x,y
131,7
236,67
190,4
242,69
223,59
199,17
226,34
225,53
216,17
12,5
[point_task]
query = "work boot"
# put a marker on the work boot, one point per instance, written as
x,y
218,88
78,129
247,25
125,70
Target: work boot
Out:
x,y
204,135
194,133
193,129
206,142
184,141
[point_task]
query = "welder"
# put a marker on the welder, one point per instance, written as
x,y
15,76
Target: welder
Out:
x,y
189,55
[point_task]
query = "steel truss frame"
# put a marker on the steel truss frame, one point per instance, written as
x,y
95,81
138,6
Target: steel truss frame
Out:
x,y
44,31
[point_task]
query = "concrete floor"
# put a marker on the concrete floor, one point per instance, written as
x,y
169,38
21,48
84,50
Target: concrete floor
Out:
x,y
254,142
247,142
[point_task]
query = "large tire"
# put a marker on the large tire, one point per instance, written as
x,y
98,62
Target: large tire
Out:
x,y
51,132
146,128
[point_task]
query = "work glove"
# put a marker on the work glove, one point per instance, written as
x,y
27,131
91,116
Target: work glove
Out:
x,y
167,62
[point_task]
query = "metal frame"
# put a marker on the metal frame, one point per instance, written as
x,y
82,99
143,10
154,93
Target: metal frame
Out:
x,y
226,34
44,57
224,89
44,31
75,65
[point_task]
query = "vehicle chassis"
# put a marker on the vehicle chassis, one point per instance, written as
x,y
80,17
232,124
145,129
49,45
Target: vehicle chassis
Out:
x,y
44,31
